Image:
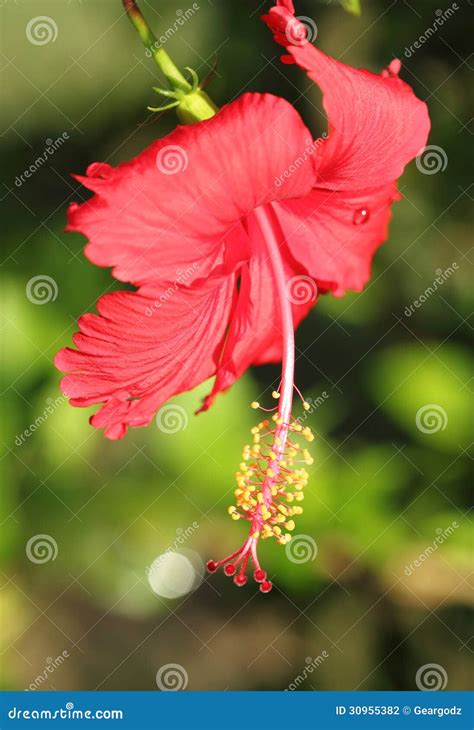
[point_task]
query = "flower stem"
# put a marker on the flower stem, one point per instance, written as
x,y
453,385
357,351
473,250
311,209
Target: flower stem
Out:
x,y
149,40
191,102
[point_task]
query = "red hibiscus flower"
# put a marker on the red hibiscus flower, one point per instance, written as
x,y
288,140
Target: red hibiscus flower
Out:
x,y
228,229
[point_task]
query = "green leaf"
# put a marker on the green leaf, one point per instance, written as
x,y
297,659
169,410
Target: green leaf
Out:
x,y
351,6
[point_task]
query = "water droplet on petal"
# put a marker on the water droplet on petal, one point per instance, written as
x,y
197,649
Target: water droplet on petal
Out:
x,y
361,216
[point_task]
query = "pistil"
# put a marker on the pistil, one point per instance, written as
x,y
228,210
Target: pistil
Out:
x,y
270,479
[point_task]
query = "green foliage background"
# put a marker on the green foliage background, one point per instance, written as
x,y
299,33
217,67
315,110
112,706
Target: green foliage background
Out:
x,y
380,488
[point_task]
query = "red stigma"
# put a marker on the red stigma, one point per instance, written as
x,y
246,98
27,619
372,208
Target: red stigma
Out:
x,y
266,586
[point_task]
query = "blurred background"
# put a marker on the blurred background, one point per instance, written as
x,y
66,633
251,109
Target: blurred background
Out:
x,y
378,591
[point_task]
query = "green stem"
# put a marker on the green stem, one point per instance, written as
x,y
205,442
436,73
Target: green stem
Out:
x,y
172,74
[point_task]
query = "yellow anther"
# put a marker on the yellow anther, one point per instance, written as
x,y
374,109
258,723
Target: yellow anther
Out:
x,y
283,509
289,497
255,404
260,497
254,429
290,525
231,509
277,530
277,441
256,438
279,421
299,496
256,535
275,394
306,405
270,473
275,417
297,510
289,479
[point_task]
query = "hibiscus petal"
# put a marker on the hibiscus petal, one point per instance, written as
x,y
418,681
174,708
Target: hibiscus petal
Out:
x,y
334,235
376,123
138,352
178,202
